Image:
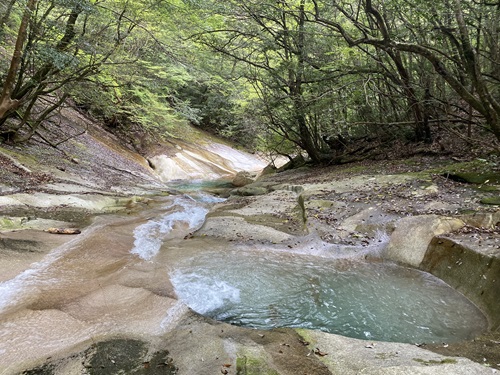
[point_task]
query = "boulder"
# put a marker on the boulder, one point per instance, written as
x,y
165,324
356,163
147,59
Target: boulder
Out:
x,y
248,191
412,236
482,219
243,178
474,274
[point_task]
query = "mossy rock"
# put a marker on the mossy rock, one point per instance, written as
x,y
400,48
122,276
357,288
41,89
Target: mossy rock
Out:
x,y
474,177
491,200
488,188
7,223
253,366
435,362
118,356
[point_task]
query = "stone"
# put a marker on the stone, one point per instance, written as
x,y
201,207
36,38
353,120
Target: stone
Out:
x,y
248,191
472,273
412,236
482,219
235,228
491,201
243,178
350,356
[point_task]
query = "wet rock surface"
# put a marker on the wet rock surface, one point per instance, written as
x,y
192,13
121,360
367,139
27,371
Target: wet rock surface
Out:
x,y
349,211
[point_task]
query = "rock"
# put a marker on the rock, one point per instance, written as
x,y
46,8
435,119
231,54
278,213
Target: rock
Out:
x,y
482,219
412,236
323,204
235,228
269,169
248,191
474,177
352,357
429,190
472,273
243,178
369,221
491,200
295,188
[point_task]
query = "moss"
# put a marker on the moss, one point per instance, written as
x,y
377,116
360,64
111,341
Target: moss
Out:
x,y
118,356
302,209
488,188
386,355
7,223
304,334
21,158
491,200
246,365
482,177
434,362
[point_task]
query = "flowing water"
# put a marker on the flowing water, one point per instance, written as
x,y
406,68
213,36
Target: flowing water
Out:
x,y
122,274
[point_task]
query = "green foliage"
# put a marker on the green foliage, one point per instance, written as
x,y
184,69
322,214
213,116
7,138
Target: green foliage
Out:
x,y
273,75
49,55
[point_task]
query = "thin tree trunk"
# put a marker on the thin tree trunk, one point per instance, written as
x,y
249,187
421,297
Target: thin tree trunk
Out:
x,y
6,15
7,104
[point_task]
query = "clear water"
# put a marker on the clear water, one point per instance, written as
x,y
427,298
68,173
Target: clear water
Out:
x,y
374,301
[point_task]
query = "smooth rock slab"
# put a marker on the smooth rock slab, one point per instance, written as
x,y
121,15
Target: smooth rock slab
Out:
x,y
410,240
349,356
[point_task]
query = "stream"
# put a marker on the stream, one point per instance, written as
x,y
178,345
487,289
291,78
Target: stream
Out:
x,y
136,275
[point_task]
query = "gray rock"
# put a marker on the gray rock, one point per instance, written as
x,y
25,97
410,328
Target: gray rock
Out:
x,y
248,191
410,240
243,178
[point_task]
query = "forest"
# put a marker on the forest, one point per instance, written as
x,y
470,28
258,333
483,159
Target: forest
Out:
x,y
330,80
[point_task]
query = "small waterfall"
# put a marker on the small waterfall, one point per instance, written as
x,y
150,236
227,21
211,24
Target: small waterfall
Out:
x,y
184,215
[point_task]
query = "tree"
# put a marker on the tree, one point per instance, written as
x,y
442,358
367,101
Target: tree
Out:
x,y
274,49
59,43
7,101
6,9
451,52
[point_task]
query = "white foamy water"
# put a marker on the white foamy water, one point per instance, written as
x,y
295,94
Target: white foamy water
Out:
x,y
184,212
204,293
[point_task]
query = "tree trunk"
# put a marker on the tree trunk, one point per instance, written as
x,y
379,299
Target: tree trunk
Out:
x,y
6,15
306,138
7,104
